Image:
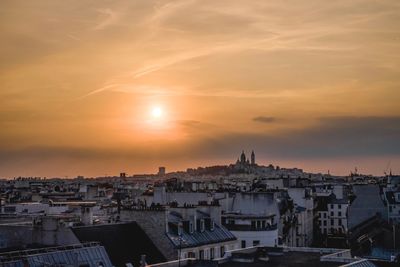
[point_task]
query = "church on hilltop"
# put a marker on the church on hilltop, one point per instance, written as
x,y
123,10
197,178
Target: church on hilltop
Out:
x,y
244,163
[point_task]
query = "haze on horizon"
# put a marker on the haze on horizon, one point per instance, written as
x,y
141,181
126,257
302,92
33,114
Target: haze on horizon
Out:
x,y
100,87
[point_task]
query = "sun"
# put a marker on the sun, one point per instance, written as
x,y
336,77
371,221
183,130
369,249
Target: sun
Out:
x,y
157,112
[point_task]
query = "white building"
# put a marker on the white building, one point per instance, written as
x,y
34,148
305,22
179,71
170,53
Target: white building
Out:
x,y
334,219
252,230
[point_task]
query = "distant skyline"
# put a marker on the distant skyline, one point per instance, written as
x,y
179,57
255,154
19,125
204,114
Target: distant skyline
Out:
x,y
101,87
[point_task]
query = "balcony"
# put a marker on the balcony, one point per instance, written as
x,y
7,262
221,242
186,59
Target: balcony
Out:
x,y
242,227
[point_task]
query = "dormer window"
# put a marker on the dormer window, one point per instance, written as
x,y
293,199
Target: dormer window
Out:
x,y
191,228
179,229
212,225
202,225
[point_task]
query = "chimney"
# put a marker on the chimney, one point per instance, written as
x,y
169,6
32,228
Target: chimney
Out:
x,y
143,261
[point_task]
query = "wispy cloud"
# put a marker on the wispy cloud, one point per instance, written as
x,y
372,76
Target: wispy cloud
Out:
x,y
110,17
264,119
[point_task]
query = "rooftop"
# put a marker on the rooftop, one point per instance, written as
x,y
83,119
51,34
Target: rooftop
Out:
x,y
88,254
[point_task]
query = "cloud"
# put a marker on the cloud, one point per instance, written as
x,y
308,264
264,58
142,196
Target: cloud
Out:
x,y
330,137
227,64
110,18
264,119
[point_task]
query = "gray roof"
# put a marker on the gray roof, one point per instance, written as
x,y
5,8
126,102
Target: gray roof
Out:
x,y
90,254
360,263
197,238
218,235
366,204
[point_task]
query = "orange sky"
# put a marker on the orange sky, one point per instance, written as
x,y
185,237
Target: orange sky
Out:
x,y
309,84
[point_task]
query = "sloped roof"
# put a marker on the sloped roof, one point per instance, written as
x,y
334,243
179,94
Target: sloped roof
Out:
x,y
360,263
366,204
91,256
197,238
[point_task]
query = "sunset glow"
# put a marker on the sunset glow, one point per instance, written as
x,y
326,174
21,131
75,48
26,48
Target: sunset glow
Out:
x,y
94,87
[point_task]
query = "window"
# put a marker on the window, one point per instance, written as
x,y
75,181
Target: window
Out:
x,y
324,223
201,254
243,243
324,215
212,253
212,225
331,206
253,224
332,214
10,209
221,251
340,222
332,222
339,206
191,254
231,222
390,208
179,229
339,213
256,243
191,227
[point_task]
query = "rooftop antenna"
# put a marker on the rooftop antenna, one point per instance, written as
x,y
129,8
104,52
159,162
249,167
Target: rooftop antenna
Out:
x,y
387,168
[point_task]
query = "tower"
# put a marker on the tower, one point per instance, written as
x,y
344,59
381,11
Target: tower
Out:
x,y
253,158
243,157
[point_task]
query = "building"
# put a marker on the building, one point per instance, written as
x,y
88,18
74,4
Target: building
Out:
x,y
188,231
161,171
252,230
252,217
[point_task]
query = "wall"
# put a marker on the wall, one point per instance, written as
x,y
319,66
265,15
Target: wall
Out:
x,y
266,238
154,224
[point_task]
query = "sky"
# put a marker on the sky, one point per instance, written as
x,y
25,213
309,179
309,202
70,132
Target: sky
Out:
x,y
101,87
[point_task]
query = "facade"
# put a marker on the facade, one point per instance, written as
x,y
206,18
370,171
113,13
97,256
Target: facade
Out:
x,y
253,218
302,231
334,219
393,206
252,230
392,198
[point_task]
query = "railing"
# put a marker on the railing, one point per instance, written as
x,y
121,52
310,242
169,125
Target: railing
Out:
x,y
315,250
238,227
175,263
15,255
341,256
144,208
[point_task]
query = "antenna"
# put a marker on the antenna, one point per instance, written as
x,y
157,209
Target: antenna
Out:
x,y
387,168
